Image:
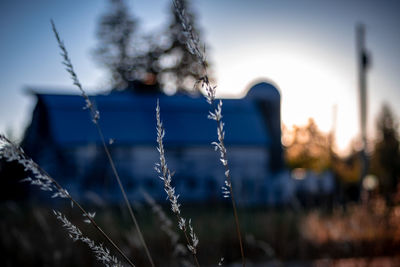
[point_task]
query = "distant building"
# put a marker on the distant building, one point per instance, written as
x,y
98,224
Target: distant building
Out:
x,y
64,141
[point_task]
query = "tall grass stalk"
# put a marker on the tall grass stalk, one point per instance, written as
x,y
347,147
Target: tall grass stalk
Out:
x,y
11,152
194,47
95,118
166,225
102,253
166,176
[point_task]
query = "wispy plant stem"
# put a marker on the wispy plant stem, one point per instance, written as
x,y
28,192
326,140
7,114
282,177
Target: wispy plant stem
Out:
x,y
166,226
194,47
90,218
166,176
102,253
95,118
10,152
229,182
132,215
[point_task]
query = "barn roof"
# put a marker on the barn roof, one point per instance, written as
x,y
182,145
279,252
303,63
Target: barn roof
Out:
x,y
129,119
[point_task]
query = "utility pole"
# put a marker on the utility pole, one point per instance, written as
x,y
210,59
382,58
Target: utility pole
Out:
x,y
363,66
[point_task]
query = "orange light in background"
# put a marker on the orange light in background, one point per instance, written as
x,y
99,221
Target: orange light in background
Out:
x,y
310,88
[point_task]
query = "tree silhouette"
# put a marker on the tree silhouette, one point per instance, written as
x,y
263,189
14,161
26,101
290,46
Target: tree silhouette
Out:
x,y
146,63
120,48
308,148
386,154
179,69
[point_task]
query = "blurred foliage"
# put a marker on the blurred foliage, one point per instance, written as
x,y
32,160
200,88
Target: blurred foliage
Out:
x,y
31,236
117,49
146,62
179,68
385,158
348,168
369,226
359,222
307,147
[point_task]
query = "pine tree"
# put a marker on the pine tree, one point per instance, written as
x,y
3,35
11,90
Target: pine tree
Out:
x,y
119,48
386,155
146,63
179,70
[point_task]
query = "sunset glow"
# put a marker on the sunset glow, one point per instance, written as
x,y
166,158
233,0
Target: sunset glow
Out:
x,y
310,88
306,50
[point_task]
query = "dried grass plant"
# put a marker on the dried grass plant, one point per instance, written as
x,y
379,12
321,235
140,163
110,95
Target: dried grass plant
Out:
x,y
166,176
39,177
194,47
11,152
95,118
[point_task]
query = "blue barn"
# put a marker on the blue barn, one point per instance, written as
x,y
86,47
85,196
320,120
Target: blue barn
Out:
x,y
64,141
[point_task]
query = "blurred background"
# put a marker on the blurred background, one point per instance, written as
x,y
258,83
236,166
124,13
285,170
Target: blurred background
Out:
x,y
310,91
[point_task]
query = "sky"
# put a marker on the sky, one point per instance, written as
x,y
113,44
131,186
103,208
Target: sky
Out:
x,y
306,48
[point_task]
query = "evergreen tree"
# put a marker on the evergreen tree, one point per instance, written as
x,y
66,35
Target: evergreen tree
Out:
x,y
120,48
179,69
146,63
386,154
